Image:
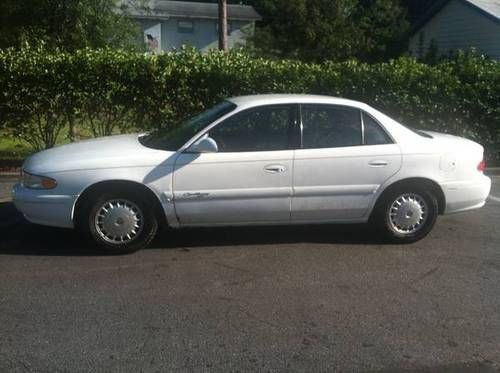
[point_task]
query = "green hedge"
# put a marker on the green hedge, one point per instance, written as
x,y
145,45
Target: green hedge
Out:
x,y
107,91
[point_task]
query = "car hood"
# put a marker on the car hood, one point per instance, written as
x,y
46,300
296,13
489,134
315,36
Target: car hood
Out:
x,y
104,152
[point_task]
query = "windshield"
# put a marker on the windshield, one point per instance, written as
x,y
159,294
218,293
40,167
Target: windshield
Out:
x,y
173,138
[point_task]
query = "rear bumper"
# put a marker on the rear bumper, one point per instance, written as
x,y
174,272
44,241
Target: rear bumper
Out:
x,y
466,195
39,207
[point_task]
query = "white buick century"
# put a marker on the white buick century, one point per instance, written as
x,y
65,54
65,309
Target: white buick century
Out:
x,y
268,159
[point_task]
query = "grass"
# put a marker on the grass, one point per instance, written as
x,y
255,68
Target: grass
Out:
x,y
13,149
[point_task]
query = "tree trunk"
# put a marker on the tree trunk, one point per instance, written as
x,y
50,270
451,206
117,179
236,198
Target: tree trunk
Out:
x,y
223,25
73,132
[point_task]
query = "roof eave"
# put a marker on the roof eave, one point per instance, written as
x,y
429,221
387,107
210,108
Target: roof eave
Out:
x,y
439,6
435,9
182,16
482,11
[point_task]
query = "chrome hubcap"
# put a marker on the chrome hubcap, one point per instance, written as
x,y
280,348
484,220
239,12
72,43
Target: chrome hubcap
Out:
x,y
119,221
408,213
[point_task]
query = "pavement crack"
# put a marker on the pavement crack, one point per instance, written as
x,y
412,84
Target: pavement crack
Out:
x,y
262,321
426,274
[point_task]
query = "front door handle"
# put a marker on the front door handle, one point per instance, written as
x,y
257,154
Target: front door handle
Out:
x,y
275,168
378,163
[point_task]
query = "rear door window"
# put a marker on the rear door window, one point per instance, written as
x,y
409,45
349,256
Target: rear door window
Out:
x,y
330,126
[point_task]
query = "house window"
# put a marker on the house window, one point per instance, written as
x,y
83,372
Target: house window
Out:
x,y
185,27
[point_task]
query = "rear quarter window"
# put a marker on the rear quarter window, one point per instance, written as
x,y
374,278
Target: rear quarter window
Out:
x,y
374,134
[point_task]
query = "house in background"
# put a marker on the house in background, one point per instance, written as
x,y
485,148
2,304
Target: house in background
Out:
x,y
171,24
453,25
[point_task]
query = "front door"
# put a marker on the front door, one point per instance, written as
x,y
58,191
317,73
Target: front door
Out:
x,y
344,158
249,179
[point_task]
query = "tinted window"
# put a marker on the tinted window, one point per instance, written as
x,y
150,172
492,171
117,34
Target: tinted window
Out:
x,y
374,134
259,129
327,126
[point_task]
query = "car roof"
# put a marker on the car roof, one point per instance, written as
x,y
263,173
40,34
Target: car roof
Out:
x,y
399,132
273,99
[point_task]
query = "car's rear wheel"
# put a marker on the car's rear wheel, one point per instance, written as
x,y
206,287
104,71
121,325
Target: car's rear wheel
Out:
x,y
407,214
121,222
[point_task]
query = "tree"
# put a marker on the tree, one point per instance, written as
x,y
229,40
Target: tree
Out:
x,y
66,24
417,8
315,30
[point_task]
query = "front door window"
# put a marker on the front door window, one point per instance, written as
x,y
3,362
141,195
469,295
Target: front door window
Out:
x,y
255,130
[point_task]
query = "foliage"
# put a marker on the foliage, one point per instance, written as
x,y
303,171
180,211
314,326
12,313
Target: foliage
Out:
x,y
106,91
67,24
318,30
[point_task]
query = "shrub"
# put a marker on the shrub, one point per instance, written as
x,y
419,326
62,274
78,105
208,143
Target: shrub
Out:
x,y
109,91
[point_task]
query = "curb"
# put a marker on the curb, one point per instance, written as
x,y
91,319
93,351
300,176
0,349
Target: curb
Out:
x,y
9,174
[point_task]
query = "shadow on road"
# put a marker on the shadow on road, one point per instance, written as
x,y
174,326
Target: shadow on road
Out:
x,y
20,237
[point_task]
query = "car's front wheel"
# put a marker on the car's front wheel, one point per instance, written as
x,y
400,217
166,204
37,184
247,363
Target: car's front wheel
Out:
x,y
121,222
407,214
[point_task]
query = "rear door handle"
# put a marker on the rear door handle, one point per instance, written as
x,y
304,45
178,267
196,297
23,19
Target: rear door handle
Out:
x,y
275,168
378,163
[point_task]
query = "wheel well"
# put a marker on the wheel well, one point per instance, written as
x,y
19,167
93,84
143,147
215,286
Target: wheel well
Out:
x,y
424,183
117,185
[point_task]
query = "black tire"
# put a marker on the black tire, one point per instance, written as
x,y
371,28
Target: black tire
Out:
x,y
144,210
387,215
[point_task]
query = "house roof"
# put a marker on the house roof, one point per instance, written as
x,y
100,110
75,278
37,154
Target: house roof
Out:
x,y
185,9
489,8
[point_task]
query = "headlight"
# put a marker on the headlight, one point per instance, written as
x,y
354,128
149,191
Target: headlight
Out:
x,y
37,182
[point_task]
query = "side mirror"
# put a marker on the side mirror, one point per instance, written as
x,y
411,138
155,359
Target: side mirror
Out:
x,y
204,145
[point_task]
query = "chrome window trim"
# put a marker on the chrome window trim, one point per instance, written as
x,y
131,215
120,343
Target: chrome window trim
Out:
x,y
361,116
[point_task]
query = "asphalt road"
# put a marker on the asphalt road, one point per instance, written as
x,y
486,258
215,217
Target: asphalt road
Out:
x,y
322,298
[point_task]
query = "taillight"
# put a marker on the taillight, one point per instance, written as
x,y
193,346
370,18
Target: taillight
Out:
x,y
481,166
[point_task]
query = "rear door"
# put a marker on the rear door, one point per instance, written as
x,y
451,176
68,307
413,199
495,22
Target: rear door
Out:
x,y
344,157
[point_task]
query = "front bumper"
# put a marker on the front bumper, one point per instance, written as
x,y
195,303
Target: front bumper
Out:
x,y
44,207
466,195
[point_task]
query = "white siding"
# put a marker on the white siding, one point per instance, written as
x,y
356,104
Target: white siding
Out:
x,y
204,35
459,26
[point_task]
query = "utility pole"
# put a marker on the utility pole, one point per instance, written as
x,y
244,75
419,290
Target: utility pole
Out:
x,y
223,25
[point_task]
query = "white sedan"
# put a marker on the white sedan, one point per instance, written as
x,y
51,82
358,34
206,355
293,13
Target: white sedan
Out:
x,y
266,159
